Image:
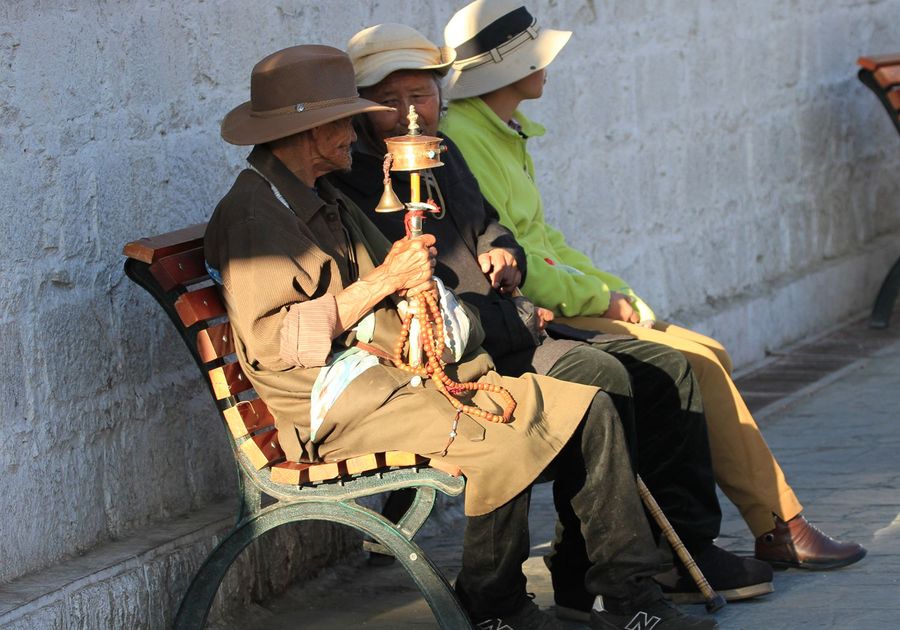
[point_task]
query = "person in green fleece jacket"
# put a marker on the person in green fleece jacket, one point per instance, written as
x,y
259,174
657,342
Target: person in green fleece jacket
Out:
x,y
501,56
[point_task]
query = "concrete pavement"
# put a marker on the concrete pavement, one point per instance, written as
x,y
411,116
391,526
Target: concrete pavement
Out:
x,y
835,433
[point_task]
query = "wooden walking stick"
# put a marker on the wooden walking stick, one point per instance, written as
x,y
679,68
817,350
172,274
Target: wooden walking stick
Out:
x,y
714,601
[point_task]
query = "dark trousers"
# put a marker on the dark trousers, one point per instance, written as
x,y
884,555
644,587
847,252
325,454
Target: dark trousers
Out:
x,y
658,400
595,493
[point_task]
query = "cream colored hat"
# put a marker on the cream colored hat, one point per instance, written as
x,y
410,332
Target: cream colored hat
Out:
x,y
497,42
380,50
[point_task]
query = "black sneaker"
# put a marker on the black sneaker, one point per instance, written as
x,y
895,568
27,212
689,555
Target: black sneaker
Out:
x,y
528,617
655,615
730,575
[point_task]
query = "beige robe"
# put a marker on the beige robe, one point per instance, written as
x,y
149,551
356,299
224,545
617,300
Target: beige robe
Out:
x,y
271,256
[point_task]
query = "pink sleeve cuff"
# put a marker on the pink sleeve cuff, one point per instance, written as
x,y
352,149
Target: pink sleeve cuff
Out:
x,y
307,331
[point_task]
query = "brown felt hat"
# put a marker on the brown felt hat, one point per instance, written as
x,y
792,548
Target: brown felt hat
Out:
x,y
293,90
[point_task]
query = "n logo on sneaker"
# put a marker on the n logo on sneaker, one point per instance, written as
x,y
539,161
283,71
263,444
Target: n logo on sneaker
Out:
x,y
641,621
494,624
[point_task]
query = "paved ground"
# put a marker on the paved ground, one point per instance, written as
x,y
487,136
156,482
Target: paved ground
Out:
x,y
829,411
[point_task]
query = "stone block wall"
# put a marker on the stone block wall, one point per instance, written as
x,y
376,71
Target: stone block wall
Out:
x,y
736,172
720,156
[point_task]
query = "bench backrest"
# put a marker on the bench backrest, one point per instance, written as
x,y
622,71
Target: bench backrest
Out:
x,y
171,267
881,73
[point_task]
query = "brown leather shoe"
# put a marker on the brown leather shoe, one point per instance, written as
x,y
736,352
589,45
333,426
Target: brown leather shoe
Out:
x,y
798,544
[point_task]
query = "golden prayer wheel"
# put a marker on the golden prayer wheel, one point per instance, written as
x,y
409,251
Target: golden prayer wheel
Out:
x,y
412,152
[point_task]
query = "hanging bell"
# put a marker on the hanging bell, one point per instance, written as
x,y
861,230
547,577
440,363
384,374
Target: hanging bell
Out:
x,y
389,201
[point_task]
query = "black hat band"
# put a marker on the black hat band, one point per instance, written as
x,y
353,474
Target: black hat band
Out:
x,y
496,33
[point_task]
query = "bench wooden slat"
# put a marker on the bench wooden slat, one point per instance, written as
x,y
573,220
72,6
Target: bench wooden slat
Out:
x,y
364,463
290,473
294,473
247,417
894,99
149,250
888,76
228,380
402,458
873,62
881,74
200,305
326,471
263,449
215,342
180,269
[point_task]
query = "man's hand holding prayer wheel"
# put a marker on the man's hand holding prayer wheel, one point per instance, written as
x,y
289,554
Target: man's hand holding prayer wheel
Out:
x,y
407,269
410,264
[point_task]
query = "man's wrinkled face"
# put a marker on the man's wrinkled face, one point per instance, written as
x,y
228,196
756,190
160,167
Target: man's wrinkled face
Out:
x,y
332,143
400,90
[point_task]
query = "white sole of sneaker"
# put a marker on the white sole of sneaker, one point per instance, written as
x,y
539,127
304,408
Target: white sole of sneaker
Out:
x,y
731,595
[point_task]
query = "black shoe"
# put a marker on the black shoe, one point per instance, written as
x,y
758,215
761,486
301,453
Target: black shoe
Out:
x,y
655,615
528,617
731,576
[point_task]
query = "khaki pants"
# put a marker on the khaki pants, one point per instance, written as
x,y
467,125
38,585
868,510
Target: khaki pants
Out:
x,y
744,467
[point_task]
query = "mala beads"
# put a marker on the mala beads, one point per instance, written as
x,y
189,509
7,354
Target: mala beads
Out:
x,y
428,312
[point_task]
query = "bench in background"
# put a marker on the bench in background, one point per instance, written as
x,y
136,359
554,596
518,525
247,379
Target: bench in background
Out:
x,y
881,74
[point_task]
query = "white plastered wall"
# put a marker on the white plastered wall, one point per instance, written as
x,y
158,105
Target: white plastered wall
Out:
x,y
720,156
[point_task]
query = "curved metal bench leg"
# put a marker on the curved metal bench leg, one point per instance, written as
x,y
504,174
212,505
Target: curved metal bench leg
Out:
x,y
887,295
418,512
434,588
412,520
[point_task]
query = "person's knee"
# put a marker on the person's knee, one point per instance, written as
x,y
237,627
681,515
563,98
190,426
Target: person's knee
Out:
x,y
604,429
591,366
723,357
674,362
705,363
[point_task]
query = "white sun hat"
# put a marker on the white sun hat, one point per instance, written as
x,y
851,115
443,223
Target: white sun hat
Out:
x,y
497,42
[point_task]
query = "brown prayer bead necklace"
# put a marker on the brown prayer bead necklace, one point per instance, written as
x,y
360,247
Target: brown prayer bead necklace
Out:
x,y
428,312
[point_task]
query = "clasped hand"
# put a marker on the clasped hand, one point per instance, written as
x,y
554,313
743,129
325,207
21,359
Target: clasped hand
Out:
x,y
501,268
410,264
620,308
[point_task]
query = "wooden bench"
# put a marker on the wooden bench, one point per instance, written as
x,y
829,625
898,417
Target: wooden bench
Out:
x,y
881,74
171,268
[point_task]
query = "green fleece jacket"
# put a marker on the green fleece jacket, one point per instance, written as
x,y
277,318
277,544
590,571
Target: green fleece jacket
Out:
x,y
560,278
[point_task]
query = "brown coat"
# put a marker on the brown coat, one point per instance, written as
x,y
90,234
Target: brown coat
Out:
x,y
270,257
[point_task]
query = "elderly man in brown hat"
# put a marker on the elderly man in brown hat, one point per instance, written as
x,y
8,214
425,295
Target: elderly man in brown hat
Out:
x,y
312,289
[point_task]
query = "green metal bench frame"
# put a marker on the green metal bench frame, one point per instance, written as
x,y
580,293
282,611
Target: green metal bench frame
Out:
x,y
333,500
